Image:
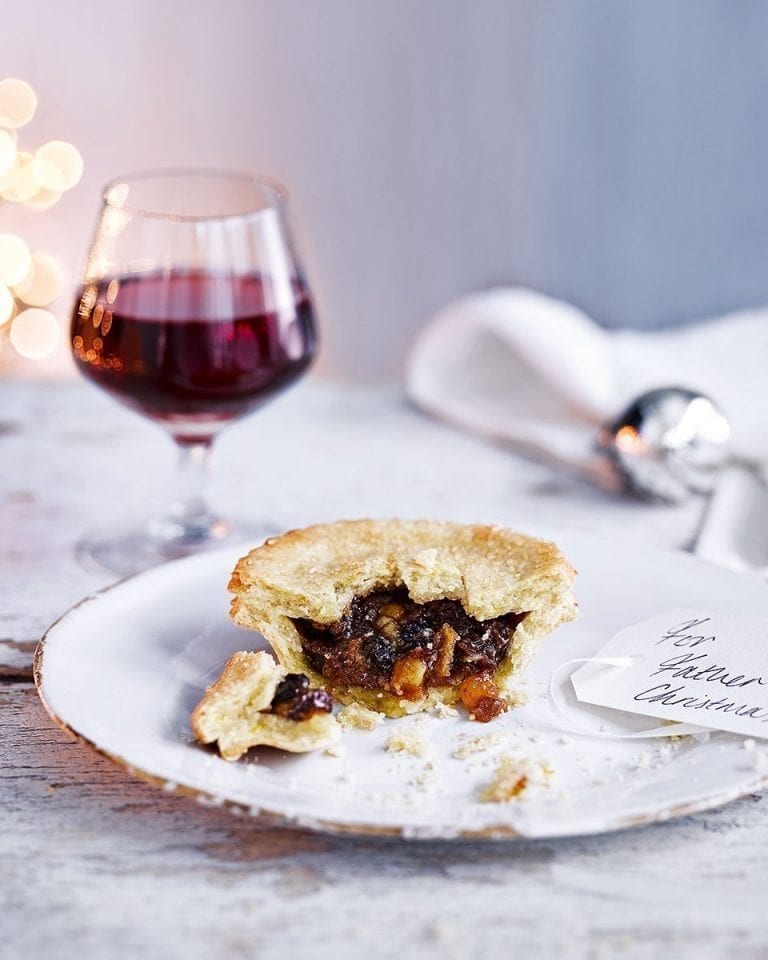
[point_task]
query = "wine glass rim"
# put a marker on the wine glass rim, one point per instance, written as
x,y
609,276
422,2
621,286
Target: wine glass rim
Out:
x,y
276,192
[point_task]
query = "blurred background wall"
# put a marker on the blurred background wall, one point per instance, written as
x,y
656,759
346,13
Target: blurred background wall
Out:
x,y
613,152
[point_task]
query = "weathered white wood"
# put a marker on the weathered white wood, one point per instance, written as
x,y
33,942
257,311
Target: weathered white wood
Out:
x,y
95,864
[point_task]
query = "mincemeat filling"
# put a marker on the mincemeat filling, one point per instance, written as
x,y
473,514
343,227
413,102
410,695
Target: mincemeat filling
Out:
x,y
385,641
295,699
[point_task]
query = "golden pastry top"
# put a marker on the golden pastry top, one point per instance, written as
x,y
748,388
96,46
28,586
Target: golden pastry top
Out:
x,y
314,573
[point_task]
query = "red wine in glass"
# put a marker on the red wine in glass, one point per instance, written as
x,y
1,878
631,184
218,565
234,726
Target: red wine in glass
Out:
x,y
193,350
193,312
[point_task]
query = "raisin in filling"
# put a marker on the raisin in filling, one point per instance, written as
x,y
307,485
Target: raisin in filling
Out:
x,y
296,700
386,641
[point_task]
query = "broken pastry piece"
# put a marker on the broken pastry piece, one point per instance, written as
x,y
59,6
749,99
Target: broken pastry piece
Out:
x,y
398,616
255,703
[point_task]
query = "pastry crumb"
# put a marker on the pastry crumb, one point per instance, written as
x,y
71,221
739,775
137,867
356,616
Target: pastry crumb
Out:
x,y
444,711
408,740
513,777
643,760
353,715
336,750
428,776
517,698
470,745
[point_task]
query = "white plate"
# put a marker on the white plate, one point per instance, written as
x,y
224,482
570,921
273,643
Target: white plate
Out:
x,y
123,670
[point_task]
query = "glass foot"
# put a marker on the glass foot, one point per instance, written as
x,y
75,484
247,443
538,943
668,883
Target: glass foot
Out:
x,y
128,552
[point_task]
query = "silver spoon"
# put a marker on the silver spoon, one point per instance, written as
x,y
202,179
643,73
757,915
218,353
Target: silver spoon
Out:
x,y
667,444
672,443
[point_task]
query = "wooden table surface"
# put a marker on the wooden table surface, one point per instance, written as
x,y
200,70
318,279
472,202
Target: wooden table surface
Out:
x,y
95,864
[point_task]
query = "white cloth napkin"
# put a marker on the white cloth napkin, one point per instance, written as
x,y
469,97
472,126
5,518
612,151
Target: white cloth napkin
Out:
x,y
539,374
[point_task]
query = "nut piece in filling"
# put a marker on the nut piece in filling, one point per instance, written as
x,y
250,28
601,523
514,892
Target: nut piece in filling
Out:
x,y
385,641
255,703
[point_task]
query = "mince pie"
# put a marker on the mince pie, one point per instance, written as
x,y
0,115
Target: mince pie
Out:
x,y
399,615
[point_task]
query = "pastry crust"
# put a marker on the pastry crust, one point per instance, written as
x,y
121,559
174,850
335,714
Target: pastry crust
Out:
x,y
314,573
230,712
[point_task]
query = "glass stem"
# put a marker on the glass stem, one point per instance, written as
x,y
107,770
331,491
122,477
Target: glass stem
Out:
x,y
190,518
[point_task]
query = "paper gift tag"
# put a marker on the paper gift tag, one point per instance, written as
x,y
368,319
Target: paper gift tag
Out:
x,y
708,669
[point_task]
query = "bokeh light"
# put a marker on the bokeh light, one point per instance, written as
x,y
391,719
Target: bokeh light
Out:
x,y
18,103
7,152
43,199
7,304
15,259
44,282
35,333
7,178
30,282
21,183
58,165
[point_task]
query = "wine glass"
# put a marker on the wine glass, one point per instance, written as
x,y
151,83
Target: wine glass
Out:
x,y
193,312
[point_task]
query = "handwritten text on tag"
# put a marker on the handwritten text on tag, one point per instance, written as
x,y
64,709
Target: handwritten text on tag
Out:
x,y
709,669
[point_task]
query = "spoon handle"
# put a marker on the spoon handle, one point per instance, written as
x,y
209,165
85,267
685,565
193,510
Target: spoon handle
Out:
x,y
734,529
